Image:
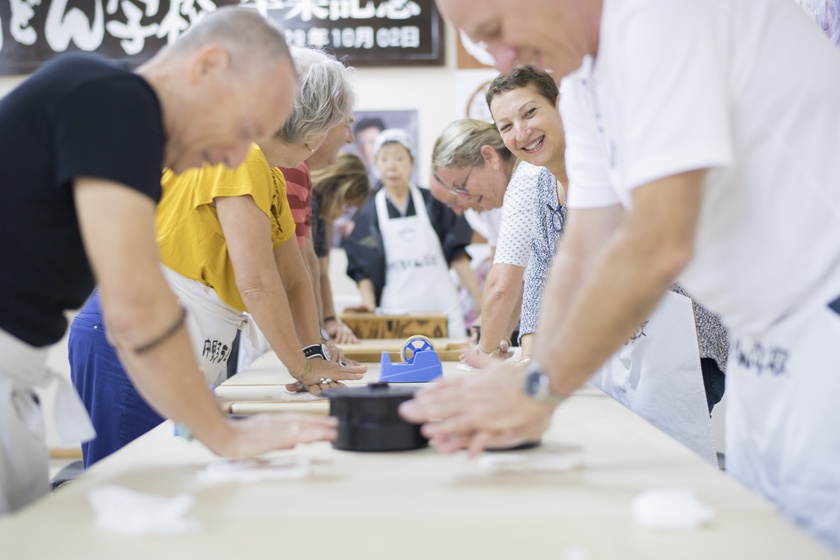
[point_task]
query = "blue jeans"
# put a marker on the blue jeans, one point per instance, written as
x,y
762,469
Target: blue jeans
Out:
x,y
118,412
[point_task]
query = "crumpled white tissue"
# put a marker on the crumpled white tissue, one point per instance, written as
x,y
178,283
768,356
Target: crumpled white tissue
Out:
x,y
129,512
248,471
671,508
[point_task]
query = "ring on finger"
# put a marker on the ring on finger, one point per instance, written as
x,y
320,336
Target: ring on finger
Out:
x,y
324,381
300,385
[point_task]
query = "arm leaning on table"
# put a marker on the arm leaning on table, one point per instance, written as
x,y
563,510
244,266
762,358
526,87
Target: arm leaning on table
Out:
x,y
338,331
118,229
596,293
461,266
500,311
267,292
366,257
313,267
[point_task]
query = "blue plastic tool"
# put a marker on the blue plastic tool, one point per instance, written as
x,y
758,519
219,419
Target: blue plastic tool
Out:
x,y
422,367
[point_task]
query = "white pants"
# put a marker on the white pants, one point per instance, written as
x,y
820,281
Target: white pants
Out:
x,y
783,418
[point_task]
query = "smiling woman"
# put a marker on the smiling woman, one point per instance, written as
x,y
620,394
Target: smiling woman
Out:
x,y
470,159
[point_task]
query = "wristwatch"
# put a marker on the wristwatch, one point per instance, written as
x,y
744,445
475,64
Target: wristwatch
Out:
x,y
316,350
538,386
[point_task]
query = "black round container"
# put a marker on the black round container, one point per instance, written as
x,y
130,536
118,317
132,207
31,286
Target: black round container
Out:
x,y
368,419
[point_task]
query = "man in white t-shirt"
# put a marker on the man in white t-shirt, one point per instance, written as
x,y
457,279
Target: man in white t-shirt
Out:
x,y
702,143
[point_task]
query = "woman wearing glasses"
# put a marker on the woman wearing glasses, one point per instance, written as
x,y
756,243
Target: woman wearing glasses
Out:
x,y
404,242
471,160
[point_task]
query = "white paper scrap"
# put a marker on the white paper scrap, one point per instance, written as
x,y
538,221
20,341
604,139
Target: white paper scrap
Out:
x,y
129,512
671,508
534,462
249,471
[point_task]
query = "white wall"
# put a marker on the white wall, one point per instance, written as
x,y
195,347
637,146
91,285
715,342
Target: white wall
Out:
x,y
428,90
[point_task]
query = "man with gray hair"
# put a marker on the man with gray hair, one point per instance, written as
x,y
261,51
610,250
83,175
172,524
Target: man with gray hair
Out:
x,y
84,142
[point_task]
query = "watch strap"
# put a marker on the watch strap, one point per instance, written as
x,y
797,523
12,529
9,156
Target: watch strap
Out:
x,y
538,385
315,351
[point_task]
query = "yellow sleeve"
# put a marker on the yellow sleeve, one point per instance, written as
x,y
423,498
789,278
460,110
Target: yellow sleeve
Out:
x,y
283,223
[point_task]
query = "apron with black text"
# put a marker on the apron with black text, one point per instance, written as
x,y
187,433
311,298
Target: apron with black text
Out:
x,y
212,324
657,375
417,274
783,417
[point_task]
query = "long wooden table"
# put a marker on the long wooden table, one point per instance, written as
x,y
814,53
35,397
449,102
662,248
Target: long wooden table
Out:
x,y
420,504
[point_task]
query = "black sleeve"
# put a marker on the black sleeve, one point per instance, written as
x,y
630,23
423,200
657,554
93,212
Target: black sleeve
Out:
x,y
453,230
365,252
111,129
319,232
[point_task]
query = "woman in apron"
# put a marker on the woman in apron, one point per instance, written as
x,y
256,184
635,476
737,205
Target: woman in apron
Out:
x,y
404,242
224,244
657,373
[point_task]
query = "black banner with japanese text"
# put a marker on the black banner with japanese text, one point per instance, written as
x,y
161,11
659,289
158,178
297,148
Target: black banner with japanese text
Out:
x,y
362,32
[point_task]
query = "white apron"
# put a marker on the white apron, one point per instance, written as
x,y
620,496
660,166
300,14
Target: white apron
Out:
x,y
212,324
657,375
416,272
24,459
783,417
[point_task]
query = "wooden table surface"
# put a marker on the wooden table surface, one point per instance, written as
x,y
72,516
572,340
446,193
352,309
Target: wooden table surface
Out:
x,y
373,325
370,350
421,504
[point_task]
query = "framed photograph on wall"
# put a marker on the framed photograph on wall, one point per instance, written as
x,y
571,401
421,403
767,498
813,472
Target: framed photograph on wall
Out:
x,y
367,127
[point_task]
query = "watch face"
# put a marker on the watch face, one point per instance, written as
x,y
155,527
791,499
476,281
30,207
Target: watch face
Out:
x,y
326,351
533,383
325,336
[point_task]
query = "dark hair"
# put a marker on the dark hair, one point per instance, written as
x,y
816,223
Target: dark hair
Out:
x,y
369,122
346,179
520,77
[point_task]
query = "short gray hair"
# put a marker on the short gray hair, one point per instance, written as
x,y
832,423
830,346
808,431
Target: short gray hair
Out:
x,y
460,144
244,32
324,98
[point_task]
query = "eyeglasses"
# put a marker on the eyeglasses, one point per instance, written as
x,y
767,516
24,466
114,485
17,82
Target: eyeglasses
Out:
x,y
457,189
558,217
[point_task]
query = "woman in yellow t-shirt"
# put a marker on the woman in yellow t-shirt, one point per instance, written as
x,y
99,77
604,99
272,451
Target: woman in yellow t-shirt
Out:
x,y
224,242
